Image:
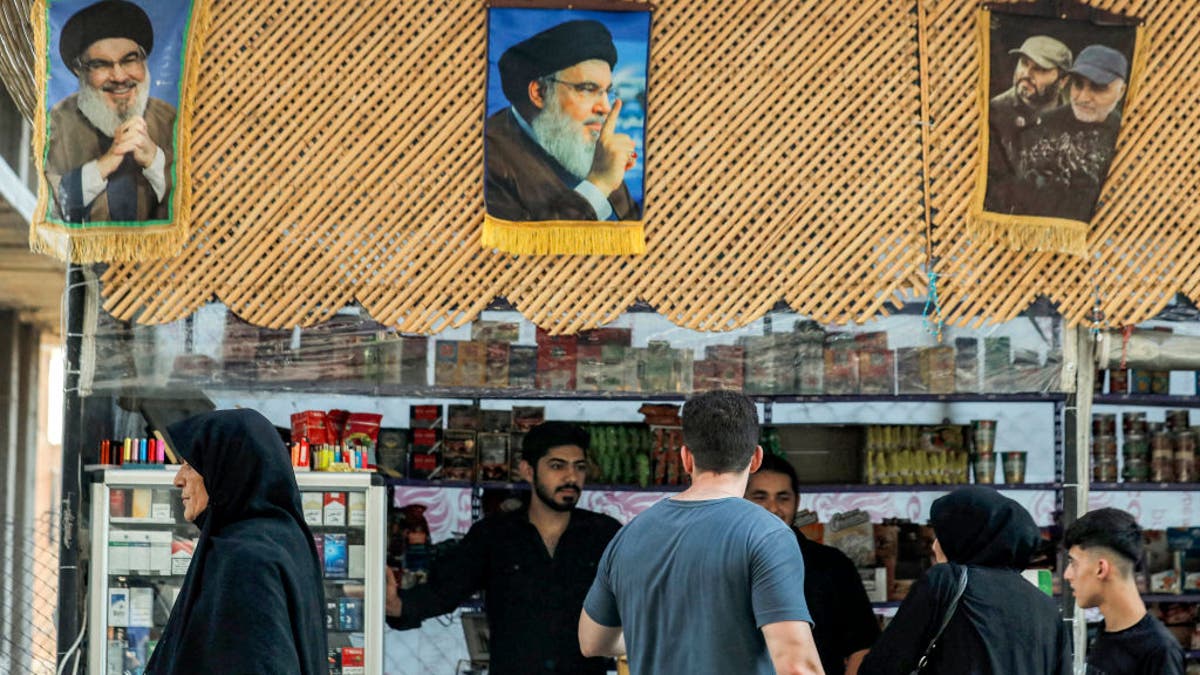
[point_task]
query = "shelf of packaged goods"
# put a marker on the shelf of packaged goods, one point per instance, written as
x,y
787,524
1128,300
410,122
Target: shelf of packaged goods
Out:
x,y
1145,487
327,387
1147,400
1189,598
804,489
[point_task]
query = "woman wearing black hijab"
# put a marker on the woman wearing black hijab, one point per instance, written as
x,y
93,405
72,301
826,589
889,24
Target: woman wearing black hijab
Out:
x,y
1003,624
253,599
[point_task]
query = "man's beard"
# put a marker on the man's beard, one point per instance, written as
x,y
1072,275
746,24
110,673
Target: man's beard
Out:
x,y
95,106
545,496
1040,97
559,136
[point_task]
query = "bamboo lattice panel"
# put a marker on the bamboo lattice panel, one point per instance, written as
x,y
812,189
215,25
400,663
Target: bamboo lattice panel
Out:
x,y
1144,242
339,159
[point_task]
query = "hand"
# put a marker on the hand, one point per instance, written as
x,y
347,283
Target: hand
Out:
x,y
393,605
614,154
132,137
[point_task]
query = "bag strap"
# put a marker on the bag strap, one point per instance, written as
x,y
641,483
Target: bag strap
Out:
x,y
962,586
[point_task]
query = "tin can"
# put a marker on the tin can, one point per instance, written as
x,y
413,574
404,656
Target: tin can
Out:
x,y
1136,470
1133,423
1136,445
1104,447
1141,381
1118,381
1185,441
1160,382
1104,470
1178,420
1104,425
1185,468
1161,440
1162,469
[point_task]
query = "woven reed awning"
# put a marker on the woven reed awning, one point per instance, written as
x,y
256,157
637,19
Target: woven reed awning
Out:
x,y
338,158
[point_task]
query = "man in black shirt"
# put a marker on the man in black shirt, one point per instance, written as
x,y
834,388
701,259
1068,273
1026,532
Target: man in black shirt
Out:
x,y
1102,548
845,626
535,564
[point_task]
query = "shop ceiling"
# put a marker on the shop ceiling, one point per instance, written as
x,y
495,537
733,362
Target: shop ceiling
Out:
x,y
792,150
30,283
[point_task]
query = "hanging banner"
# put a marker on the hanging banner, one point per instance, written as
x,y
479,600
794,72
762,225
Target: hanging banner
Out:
x,y
564,148
1052,94
115,80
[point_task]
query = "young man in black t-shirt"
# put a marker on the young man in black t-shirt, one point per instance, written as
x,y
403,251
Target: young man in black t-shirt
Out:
x,y
1103,547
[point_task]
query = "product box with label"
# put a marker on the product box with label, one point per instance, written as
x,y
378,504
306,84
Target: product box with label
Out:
x,y
335,509
493,456
425,455
336,556
356,505
313,505
472,364
496,375
458,455
353,660
445,364
522,366
556,355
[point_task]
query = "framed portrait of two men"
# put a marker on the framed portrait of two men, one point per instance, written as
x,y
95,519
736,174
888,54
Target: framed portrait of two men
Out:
x,y
111,138
1052,95
564,141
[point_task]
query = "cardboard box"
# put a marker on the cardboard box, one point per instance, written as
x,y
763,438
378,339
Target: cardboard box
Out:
x,y
445,364
841,365
997,364
495,331
908,371
335,509
622,337
357,509
465,417
472,364
336,556
391,448
937,369
425,454
496,373
556,356
876,370
522,366
425,416
458,455
527,417
493,456
966,364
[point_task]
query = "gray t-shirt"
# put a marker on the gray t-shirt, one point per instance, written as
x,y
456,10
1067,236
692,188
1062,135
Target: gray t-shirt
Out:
x,y
692,582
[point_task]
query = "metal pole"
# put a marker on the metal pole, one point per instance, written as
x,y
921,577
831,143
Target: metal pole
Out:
x,y
70,609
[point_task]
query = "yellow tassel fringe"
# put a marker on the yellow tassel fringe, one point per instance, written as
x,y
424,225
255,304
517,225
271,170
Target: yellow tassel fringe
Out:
x,y
564,237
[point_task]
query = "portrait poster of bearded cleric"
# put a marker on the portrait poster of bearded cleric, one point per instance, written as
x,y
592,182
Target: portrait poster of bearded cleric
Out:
x,y
564,149
1053,95
109,136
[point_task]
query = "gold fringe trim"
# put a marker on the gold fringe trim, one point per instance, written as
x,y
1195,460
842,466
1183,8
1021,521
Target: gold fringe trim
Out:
x,y
1035,234
564,237
108,243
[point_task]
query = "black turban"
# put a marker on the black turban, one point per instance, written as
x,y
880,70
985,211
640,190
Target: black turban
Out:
x,y
550,51
107,19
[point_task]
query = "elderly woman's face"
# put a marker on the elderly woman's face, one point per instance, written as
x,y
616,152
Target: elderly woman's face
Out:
x,y
195,496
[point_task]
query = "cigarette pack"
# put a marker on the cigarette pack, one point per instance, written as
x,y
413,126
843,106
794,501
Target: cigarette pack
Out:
x,y
161,505
966,364
472,364
463,417
331,615
875,583
425,455
495,331
353,661
391,449
841,364
445,364
141,606
319,543
425,416
357,509
350,615
160,551
313,505
497,359
496,421
142,498
556,356
118,502
522,366
118,551
335,508
139,551
118,607
336,563
181,555
527,417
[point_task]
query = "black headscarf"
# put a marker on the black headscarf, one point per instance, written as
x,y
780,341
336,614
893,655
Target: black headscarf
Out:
x,y
253,599
979,526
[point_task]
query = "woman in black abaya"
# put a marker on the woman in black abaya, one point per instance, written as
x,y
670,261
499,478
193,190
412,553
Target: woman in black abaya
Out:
x,y
1003,624
253,598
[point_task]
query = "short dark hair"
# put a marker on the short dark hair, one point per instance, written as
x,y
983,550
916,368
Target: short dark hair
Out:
x,y
1109,528
548,435
720,428
780,465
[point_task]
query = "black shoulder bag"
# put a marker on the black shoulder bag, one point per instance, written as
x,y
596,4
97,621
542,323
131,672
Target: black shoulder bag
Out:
x,y
962,586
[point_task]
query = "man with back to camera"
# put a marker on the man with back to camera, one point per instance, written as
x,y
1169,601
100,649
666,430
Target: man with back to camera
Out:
x,y
110,143
844,626
535,565
555,154
1039,86
1065,161
705,582
1103,548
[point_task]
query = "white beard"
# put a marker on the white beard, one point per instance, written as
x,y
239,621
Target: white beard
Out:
x,y
95,107
559,136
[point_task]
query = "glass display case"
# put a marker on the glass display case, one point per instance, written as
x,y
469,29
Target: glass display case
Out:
x,y
142,547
